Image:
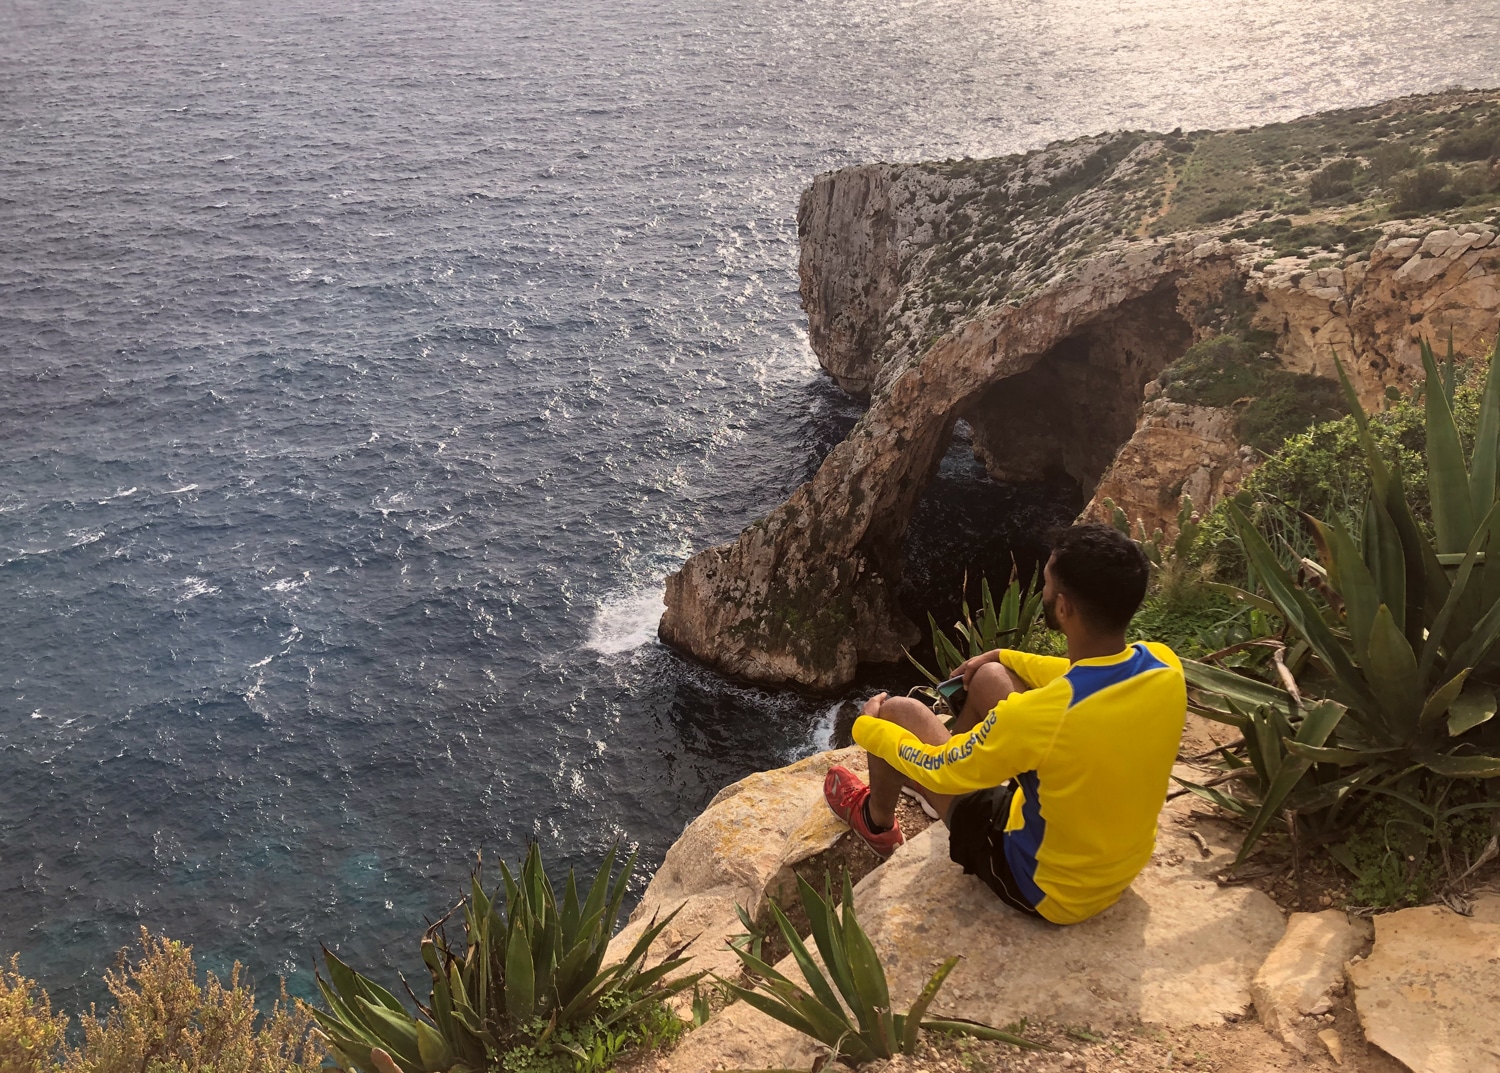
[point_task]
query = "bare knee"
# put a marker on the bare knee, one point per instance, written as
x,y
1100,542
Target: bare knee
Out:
x,y
988,686
915,717
993,679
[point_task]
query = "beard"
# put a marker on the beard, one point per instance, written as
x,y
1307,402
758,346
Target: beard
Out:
x,y
1049,614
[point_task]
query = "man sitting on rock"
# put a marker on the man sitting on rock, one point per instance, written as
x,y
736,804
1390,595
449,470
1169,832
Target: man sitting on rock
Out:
x,y
1052,776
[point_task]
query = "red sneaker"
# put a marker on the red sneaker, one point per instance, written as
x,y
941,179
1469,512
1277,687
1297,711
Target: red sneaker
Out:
x,y
846,793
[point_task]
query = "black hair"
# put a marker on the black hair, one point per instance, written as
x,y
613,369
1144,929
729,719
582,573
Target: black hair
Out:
x,y
1103,571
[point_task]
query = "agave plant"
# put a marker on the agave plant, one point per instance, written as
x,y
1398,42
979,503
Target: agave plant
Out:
x,y
1008,623
863,1027
1403,628
517,977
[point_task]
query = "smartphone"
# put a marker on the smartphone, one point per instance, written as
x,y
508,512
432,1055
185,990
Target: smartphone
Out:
x,y
951,688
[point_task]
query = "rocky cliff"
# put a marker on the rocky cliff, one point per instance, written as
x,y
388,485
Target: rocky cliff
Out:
x,y
1371,309
1041,298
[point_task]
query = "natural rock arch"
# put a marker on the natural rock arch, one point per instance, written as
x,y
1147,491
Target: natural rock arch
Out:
x,y
806,594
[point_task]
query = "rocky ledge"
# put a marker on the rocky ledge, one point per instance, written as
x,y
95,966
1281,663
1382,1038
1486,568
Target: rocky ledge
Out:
x,y
1040,298
1182,949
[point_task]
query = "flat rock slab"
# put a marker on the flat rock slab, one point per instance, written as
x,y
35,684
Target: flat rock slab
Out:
x,y
1429,993
1299,977
1176,950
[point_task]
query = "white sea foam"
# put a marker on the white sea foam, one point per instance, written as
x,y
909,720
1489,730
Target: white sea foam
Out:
x,y
627,620
822,731
120,493
191,587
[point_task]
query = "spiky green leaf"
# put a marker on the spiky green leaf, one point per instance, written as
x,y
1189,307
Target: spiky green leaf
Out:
x,y
1472,707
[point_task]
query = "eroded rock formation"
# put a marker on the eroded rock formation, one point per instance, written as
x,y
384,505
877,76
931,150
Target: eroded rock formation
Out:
x,y
804,595
1373,311
1039,298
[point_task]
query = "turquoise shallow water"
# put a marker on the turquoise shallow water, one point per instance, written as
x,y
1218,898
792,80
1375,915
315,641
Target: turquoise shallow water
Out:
x,y
368,369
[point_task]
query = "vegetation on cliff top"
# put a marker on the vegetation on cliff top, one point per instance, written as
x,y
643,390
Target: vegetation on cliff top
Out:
x,y
989,232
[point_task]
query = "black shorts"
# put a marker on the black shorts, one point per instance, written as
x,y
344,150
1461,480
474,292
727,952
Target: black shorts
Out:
x,y
976,833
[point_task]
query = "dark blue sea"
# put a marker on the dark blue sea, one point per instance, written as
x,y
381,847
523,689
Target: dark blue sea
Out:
x,y
366,368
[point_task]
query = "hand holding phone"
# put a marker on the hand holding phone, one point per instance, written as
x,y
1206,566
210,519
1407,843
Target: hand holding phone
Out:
x,y
951,688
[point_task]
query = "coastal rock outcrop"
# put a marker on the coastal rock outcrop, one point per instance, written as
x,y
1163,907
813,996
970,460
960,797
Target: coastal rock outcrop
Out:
x,y
1177,949
741,850
1372,312
1038,298
806,594
1298,979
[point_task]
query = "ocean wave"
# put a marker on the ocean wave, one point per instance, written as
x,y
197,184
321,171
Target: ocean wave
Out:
x,y
627,620
288,584
190,588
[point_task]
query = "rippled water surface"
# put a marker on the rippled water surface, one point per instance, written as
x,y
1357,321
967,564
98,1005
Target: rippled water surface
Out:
x,y
366,371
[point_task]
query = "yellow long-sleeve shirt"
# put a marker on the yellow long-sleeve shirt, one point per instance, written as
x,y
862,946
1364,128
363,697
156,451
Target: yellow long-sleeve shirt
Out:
x,y
1091,745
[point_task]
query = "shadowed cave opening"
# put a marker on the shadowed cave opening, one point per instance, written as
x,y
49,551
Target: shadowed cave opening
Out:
x,y
1027,452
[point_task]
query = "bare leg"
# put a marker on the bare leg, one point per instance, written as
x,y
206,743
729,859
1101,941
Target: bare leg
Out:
x,y
989,685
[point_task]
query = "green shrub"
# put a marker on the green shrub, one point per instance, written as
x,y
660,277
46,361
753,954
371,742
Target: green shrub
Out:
x,y
1423,189
164,1022
1221,370
1334,180
1222,210
1394,632
1008,624
1474,180
1479,142
1236,368
1391,158
1399,855
1287,405
1322,471
529,982
849,1006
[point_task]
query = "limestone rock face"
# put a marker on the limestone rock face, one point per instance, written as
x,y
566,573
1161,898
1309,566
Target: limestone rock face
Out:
x,y
1374,313
740,849
847,220
1371,313
1176,950
1299,977
1176,449
1026,297
1429,992
805,595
